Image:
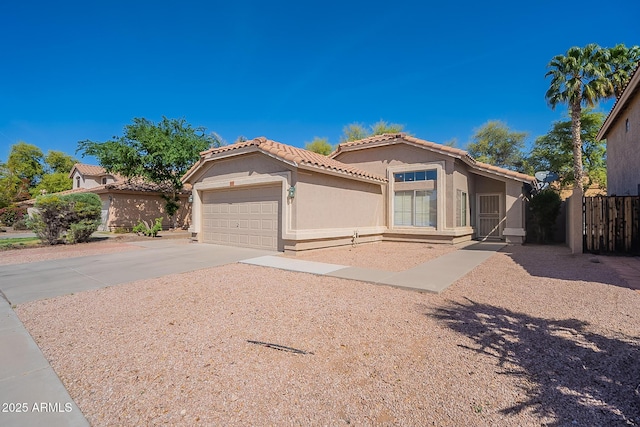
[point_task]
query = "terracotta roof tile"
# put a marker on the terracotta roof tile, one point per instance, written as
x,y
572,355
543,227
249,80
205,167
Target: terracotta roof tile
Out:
x,y
92,170
398,138
288,153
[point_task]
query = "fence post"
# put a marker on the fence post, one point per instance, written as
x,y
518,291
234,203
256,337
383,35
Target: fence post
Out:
x,y
574,221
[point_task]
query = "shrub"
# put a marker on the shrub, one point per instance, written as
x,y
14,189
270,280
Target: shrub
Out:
x,y
143,228
85,216
51,218
545,207
11,214
73,216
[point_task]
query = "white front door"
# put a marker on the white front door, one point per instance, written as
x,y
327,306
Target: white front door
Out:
x,y
489,216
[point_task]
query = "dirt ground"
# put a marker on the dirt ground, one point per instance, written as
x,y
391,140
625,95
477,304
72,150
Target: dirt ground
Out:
x,y
533,336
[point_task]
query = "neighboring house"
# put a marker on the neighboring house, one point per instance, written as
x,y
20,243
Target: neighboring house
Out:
x,y
622,132
264,194
125,202
91,176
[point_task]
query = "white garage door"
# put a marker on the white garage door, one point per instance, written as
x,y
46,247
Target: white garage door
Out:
x,y
246,217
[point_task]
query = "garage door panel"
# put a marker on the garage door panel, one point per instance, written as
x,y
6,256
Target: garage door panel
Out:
x,y
242,217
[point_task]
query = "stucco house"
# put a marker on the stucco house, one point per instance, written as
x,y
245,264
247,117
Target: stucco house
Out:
x,y
125,202
265,194
622,132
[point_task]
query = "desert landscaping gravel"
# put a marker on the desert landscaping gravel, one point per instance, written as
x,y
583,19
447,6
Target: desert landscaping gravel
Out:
x,y
388,256
46,253
533,336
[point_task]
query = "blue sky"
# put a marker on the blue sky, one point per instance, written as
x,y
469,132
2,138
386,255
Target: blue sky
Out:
x,y
288,70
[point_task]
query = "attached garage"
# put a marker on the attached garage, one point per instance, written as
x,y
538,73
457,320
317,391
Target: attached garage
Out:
x,y
247,217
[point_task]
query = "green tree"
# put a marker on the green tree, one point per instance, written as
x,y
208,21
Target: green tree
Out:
x,y
545,207
6,186
356,131
59,162
622,63
381,127
320,146
160,153
25,162
578,78
496,144
554,151
52,183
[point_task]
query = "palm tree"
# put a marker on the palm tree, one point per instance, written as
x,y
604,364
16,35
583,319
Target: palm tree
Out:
x,y
623,62
577,78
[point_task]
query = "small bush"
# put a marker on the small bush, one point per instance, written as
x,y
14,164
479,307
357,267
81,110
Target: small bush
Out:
x,y
20,224
12,214
86,211
143,228
73,217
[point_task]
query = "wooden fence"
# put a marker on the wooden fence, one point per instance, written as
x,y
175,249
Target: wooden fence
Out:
x,y
611,224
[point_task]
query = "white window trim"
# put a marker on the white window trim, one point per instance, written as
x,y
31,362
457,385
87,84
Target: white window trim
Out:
x,y
464,215
440,191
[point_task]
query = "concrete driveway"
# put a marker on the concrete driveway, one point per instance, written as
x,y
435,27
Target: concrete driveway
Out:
x,y
22,283
29,388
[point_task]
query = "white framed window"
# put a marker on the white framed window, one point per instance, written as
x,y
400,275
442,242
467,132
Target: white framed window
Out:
x,y
461,208
415,208
77,182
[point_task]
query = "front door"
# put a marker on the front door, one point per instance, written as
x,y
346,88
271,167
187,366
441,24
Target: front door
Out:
x,y
489,216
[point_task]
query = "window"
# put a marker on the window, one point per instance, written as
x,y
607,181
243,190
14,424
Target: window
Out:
x,y
461,208
417,205
418,208
77,182
626,125
428,175
104,180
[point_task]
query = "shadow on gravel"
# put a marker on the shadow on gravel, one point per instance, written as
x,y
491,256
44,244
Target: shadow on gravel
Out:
x,y
557,262
576,377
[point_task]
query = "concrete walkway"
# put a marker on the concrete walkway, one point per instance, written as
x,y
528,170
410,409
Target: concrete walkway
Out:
x,y
432,276
29,384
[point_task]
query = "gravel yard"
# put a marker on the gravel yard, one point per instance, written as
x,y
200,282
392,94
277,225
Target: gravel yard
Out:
x,y
534,336
45,253
389,256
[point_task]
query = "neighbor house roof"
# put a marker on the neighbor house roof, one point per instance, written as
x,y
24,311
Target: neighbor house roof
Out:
x,y
402,138
90,170
622,103
123,185
295,156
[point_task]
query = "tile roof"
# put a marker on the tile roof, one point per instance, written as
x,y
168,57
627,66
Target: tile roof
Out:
x,y
91,170
401,138
297,156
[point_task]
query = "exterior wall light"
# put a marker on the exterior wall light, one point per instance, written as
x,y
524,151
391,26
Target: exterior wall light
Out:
x,y
291,193
190,198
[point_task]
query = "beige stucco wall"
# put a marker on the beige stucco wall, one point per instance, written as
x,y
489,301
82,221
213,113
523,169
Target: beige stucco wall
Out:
x,y
623,152
253,164
127,209
330,202
453,176
89,181
378,159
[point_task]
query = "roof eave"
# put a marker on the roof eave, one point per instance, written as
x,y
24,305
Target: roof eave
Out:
x,y
621,104
341,174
